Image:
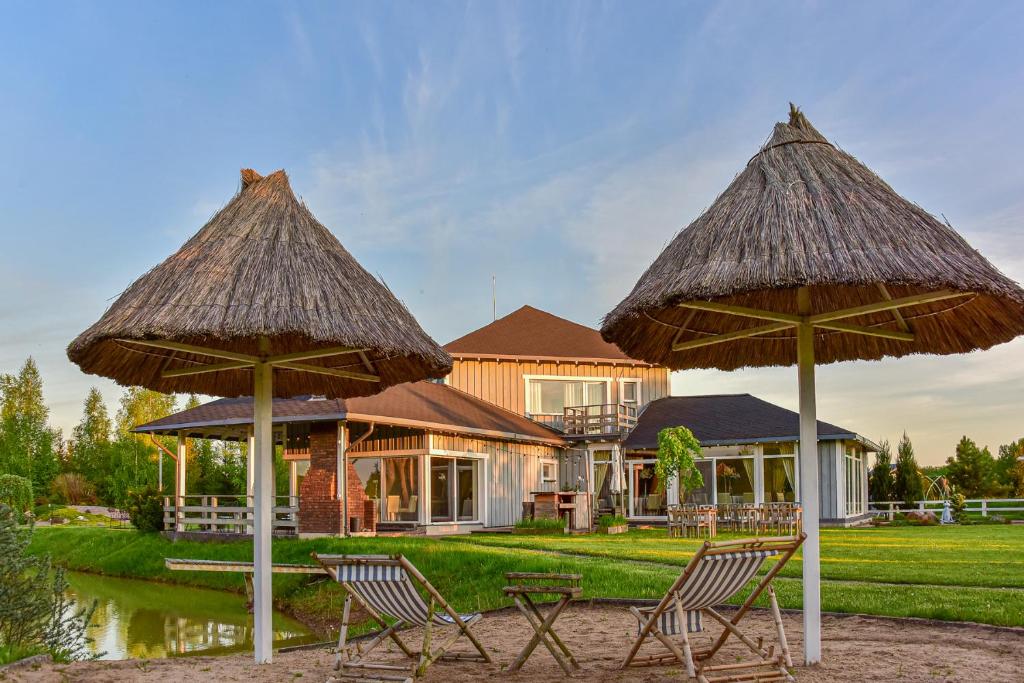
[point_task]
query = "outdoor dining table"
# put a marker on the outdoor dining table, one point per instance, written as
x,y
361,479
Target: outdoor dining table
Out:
x,y
525,584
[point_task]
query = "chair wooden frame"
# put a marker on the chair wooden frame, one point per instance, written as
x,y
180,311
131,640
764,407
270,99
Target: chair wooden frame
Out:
x,y
350,659
697,662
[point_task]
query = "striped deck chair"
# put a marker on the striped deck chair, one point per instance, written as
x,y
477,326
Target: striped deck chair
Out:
x,y
718,571
386,587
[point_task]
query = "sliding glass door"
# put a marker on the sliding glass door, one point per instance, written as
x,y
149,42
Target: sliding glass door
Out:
x,y
454,495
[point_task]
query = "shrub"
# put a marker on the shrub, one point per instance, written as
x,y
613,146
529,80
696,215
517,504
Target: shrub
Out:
x,y
16,493
72,488
606,521
145,509
958,507
34,610
540,524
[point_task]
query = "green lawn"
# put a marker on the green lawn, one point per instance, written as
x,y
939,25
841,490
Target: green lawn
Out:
x,y
954,573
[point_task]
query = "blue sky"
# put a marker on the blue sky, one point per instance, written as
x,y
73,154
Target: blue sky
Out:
x,y
556,146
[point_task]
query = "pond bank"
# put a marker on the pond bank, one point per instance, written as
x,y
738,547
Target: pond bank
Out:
x,y
855,649
128,554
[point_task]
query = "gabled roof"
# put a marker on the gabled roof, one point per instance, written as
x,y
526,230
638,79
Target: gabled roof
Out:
x,y
727,419
532,333
421,405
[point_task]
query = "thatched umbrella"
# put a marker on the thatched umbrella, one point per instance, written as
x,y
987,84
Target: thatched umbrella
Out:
x,y
263,286
809,256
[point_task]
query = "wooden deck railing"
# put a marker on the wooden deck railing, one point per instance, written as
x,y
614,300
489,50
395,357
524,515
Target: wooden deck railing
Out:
x,y
602,418
227,514
986,506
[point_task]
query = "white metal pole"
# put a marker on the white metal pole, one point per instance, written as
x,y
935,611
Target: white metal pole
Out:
x,y
264,472
809,493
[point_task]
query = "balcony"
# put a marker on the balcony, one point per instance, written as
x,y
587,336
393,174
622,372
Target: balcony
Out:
x,y
611,419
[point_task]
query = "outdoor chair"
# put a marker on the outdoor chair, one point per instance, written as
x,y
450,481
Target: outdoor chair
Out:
x,y
386,587
716,572
675,521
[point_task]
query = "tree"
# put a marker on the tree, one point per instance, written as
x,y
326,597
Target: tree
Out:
x,y
972,470
138,406
95,427
880,480
90,447
1007,463
907,485
678,450
27,443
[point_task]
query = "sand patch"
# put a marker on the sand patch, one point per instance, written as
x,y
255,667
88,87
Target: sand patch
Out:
x,y
855,649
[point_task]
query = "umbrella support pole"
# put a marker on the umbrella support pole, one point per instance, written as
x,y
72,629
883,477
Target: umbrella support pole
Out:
x,y
809,494
263,507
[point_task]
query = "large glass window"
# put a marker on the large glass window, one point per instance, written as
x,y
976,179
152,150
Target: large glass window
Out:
x,y
779,479
734,480
856,487
402,483
604,500
702,495
368,471
648,492
550,397
453,489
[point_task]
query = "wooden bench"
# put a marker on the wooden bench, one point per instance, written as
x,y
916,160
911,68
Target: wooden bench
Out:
x,y
245,568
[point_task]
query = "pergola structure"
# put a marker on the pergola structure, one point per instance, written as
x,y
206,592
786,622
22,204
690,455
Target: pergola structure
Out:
x,y
809,257
262,287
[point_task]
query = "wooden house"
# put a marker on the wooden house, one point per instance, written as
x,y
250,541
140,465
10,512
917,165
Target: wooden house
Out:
x,y
534,403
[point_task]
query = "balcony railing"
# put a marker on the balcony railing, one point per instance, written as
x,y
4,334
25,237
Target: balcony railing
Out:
x,y
602,418
227,514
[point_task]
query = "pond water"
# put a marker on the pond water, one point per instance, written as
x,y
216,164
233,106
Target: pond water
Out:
x,y
144,619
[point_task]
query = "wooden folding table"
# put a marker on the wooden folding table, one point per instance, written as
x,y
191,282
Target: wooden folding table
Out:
x,y
525,584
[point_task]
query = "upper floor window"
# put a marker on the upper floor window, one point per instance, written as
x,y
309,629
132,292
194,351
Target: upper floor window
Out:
x,y
552,396
630,392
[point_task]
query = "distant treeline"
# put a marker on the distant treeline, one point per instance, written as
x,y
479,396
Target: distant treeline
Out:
x,y
971,471
102,460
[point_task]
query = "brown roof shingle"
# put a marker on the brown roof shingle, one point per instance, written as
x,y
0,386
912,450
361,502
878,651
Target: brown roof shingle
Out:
x,y
533,333
416,404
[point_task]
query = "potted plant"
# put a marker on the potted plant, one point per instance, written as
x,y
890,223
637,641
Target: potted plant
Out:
x,y
728,474
678,450
612,524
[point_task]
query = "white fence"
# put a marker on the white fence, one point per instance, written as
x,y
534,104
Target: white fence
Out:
x,y
983,505
227,514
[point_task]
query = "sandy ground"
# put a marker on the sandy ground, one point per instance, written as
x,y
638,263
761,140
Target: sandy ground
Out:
x,y
855,649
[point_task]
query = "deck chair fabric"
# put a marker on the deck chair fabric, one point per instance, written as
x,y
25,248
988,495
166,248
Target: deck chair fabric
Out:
x,y
386,587
717,578
390,592
718,571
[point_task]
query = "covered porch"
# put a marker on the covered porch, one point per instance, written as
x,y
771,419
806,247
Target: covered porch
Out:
x,y
750,473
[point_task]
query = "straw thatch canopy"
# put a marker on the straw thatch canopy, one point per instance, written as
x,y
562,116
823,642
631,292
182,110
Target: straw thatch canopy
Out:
x,y
803,213
262,278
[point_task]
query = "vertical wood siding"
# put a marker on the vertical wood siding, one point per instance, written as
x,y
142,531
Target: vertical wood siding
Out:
x,y
501,382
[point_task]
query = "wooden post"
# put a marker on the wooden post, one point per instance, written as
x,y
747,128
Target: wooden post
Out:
x,y
809,484
341,478
179,484
250,478
263,458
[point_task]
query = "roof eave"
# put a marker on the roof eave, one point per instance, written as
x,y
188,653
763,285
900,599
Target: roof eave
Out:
x,y
844,436
466,355
168,429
